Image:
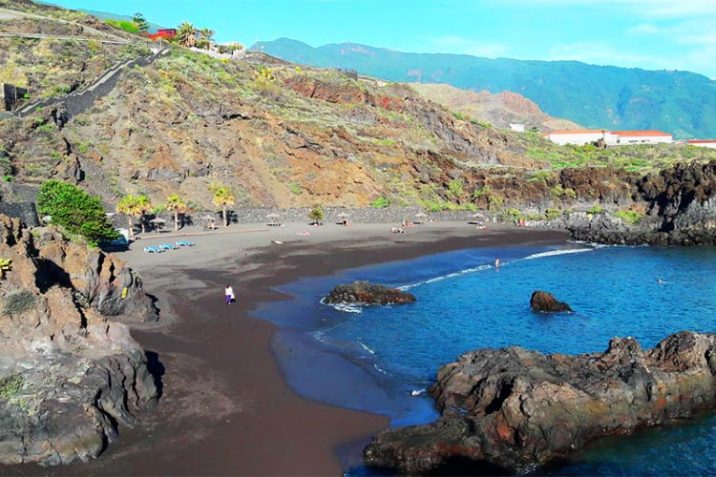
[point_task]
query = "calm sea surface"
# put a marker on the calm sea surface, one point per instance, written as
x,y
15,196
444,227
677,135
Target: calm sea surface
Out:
x,y
382,359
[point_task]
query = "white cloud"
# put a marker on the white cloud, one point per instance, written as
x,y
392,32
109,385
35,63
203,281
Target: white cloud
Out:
x,y
468,46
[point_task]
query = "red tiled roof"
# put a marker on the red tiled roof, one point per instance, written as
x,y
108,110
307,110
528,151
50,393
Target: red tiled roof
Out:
x,y
640,133
578,131
702,141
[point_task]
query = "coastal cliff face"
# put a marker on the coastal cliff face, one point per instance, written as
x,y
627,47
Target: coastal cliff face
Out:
x,y
68,377
509,410
679,205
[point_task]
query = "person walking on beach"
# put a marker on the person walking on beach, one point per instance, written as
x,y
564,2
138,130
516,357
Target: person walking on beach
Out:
x,y
229,295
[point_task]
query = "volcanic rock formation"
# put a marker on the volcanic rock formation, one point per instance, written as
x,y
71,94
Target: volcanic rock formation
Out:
x,y
511,409
68,377
545,302
364,293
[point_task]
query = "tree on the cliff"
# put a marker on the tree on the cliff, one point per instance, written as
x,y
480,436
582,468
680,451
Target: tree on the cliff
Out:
x,y
141,22
223,197
316,214
76,211
177,205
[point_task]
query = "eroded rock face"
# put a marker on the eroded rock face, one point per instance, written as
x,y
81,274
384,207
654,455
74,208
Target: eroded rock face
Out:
x,y
364,293
511,409
545,302
68,377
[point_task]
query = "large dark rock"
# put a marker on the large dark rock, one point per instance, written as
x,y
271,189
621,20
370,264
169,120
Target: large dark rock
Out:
x,y
364,293
511,409
545,302
69,378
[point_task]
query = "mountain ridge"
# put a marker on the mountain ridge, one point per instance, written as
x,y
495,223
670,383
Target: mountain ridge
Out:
x,y
680,102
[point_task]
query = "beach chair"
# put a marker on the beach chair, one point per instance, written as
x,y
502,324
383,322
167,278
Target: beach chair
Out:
x,y
184,243
152,249
167,246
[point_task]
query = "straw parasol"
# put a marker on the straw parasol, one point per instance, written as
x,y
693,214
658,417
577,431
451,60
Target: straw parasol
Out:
x,y
421,215
343,215
157,220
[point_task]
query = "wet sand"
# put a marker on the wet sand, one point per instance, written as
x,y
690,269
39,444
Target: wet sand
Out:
x,y
225,407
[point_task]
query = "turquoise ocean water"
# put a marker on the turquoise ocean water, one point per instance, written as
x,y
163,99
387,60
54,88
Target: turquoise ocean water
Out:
x,y
382,359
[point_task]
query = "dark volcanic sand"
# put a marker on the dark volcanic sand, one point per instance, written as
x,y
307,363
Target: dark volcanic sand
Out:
x,y
225,408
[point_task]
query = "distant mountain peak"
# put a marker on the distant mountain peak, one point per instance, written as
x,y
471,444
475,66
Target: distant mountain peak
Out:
x,y
680,102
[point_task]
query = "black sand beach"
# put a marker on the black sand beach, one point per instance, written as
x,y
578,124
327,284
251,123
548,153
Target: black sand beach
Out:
x,y
225,407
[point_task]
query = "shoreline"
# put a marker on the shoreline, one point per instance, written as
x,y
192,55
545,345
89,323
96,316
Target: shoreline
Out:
x,y
227,407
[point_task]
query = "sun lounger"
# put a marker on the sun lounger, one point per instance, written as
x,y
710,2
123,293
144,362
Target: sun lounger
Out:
x,y
184,243
152,249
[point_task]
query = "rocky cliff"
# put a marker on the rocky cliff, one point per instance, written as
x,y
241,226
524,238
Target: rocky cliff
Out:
x,y
509,410
68,377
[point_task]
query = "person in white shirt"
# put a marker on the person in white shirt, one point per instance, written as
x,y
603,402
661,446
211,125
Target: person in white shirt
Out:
x,y
229,294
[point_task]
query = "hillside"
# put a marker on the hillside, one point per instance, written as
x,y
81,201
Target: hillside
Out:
x,y
607,97
499,109
280,135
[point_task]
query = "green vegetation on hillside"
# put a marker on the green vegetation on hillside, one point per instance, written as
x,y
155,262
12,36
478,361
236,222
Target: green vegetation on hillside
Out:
x,y
681,103
76,211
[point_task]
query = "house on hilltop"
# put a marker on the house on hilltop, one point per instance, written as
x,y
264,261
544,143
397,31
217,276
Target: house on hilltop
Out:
x,y
641,137
710,143
581,137
163,34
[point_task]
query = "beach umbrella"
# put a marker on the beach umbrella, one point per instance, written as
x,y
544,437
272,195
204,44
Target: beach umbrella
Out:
x,y
272,216
343,215
157,220
421,215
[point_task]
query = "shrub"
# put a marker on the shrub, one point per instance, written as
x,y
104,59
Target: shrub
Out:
x,y
78,212
316,214
10,387
559,192
295,188
631,217
380,203
18,302
597,209
456,187
551,214
126,25
512,214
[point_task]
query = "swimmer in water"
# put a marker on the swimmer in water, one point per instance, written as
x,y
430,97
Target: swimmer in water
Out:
x,y
659,281
497,263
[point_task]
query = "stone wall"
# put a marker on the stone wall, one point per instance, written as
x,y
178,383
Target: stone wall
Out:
x,y
390,215
10,95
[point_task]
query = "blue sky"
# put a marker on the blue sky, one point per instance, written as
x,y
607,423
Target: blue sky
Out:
x,y
652,34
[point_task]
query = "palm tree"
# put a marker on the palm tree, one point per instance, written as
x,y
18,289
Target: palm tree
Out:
x,y
129,205
144,204
223,197
186,34
178,206
207,33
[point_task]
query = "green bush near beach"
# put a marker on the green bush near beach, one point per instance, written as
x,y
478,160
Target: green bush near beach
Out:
x,y
76,211
380,203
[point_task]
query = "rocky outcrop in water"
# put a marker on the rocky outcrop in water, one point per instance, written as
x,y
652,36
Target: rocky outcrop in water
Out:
x,y
364,293
510,409
545,302
68,377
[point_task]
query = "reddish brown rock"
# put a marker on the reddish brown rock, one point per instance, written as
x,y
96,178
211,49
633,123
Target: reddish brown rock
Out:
x,y
510,409
545,302
364,293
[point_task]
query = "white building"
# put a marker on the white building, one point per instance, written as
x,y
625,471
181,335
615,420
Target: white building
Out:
x,y
710,143
641,137
578,136
517,127
581,137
